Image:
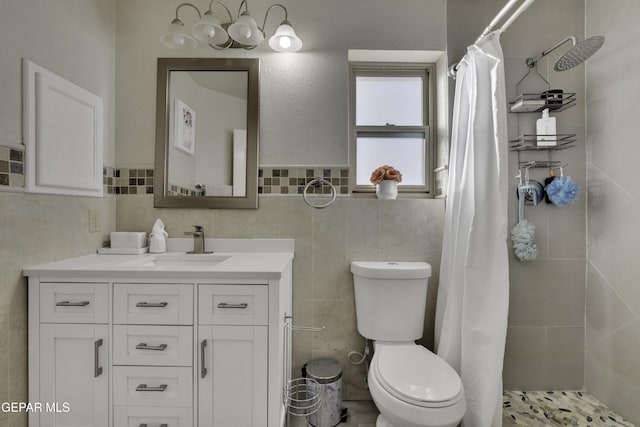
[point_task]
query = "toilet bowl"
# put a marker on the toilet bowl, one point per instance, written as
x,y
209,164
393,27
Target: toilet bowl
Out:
x,y
411,386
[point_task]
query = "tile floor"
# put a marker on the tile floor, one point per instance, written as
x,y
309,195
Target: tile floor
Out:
x,y
520,408
557,408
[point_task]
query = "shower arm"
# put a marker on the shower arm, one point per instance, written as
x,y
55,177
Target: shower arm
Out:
x,y
532,61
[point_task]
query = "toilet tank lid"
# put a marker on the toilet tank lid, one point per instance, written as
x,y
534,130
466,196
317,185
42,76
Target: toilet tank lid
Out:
x,y
391,269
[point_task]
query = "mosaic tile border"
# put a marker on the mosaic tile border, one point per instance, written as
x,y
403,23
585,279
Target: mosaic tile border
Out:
x,y
287,180
557,408
127,181
11,167
176,190
277,181
272,181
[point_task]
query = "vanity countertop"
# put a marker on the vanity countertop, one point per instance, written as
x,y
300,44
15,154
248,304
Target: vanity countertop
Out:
x,y
245,259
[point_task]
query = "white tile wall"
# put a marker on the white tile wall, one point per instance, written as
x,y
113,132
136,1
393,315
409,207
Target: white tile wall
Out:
x,y
613,294
326,241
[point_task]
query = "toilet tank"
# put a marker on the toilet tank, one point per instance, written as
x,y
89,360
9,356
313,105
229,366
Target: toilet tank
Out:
x,y
390,299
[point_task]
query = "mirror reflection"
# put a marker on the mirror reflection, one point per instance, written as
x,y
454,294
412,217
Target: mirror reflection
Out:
x,y
207,133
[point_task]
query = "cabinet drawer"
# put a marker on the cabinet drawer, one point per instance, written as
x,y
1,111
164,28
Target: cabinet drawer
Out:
x,y
233,304
152,386
127,416
152,345
153,304
74,303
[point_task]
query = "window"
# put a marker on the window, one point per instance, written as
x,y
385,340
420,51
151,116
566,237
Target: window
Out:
x,y
390,113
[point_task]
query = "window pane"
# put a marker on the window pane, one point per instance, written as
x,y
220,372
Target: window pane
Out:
x,y
394,100
405,153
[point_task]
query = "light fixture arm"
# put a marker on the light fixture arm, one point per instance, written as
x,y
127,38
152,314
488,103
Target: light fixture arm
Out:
x,y
246,7
223,5
532,61
286,19
188,4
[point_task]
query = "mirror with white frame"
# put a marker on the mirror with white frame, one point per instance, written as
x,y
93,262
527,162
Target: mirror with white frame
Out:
x,y
207,133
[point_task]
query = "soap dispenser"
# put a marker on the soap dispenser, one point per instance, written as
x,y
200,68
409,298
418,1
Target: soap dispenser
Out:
x,y
546,130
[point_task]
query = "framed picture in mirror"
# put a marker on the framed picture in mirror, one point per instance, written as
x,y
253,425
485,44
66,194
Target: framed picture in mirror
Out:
x,y
184,125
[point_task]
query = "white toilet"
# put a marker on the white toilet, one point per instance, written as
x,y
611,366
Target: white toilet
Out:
x,y
411,386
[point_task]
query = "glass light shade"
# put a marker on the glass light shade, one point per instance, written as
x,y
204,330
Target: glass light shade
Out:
x,y
208,30
285,39
245,31
175,37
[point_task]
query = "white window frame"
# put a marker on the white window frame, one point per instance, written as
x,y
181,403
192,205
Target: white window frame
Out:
x,y
427,71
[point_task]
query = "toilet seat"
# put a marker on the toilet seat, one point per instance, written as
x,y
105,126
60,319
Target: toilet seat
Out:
x,y
414,375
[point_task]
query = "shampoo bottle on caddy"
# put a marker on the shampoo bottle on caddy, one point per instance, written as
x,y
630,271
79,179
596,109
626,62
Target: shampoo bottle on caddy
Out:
x,y
546,130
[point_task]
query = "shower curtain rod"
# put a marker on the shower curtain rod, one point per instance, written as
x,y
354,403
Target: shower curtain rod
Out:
x,y
453,68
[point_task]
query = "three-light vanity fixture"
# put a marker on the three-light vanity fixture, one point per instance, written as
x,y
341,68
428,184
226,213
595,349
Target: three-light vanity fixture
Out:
x,y
242,33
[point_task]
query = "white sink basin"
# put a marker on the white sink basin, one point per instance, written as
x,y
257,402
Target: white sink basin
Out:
x,y
181,260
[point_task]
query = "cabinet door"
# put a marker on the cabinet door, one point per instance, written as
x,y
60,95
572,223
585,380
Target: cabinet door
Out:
x,y
74,370
232,372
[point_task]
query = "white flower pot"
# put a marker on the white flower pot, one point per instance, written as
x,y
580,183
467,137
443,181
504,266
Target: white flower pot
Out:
x,y
387,190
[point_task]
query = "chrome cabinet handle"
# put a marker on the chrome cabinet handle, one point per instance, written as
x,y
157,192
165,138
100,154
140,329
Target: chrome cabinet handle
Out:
x,y
145,425
72,304
145,346
227,305
152,304
97,369
203,368
144,387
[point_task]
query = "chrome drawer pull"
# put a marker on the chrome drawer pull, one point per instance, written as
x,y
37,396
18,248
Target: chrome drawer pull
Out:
x,y
145,425
152,304
145,346
97,369
144,387
72,304
203,368
227,305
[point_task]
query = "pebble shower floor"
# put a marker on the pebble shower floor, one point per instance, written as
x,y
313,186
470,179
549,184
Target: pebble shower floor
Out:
x,y
557,408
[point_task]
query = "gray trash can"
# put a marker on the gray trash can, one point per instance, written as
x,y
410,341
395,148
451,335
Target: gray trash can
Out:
x,y
328,373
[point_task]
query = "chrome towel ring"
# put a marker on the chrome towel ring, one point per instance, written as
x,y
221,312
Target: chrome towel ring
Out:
x,y
317,182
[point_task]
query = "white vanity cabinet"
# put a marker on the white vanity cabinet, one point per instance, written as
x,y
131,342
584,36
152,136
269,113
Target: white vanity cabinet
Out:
x,y
74,371
153,354
115,345
233,359
232,384
72,339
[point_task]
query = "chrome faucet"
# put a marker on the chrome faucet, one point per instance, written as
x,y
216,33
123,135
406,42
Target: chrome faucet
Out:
x,y
198,240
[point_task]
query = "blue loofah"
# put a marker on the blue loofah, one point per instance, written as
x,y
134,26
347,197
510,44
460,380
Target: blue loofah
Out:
x,y
562,191
523,236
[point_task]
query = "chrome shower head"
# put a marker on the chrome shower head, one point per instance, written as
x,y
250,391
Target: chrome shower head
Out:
x,y
579,53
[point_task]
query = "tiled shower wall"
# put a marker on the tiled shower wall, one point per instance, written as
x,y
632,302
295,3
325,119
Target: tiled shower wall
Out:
x,y
613,291
326,241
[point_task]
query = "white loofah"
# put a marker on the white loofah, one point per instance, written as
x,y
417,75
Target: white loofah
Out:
x,y
523,236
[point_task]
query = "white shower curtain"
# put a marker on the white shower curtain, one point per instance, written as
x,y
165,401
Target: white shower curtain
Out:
x,y
473,295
